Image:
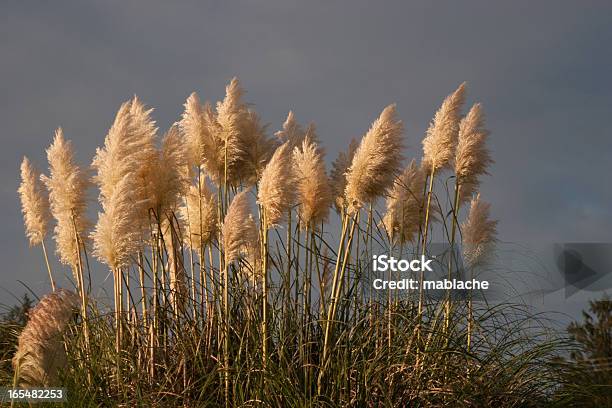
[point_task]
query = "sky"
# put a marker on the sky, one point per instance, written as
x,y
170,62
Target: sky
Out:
x,y
542,71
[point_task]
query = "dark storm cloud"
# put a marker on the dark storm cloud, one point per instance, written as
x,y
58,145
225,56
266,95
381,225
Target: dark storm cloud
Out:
x,y
541,69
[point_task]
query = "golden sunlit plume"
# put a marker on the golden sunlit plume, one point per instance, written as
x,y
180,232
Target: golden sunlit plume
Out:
x,y
405,203
376,161
313,186
34,203
67,185
441,139
473,158
199,214
338,174
292,132
478,232
276,187
237,230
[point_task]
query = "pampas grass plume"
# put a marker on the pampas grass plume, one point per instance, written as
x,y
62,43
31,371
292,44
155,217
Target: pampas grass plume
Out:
x,y
34,203
313,186
441,138
479,232
376,160
405,203
472,158
193,127
67,185
292,132
115,239
238,230
338,174
40,352
276,187
199,213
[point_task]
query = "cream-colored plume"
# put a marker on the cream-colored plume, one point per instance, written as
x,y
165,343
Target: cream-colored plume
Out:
x,y
67,185
34,203
115,239
405,204
194,130
292,132
472,158
171,173
230,118
238,230
256,149
276,188
376,161
199,214
313,186
441,139
40,351
478,232
338,174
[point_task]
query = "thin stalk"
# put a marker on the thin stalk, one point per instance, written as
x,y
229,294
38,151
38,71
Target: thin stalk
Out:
x,y
336,289
264,323
455,212
424,244
44,248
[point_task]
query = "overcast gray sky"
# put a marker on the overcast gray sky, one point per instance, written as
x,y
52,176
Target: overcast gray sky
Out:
x,y
541,69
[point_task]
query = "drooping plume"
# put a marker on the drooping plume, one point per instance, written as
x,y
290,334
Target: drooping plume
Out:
x,y
238,229
405,204
276,187
34,203
473,157
376,161
441,139
313,186
199,214
479,233
67,185
40,353
338,174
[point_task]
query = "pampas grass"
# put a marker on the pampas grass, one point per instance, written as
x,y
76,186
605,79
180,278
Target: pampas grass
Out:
x,y
472,158
67,185
34,203
479,232
237,229
40,352
253,329
405,203
314,190
276,190
291,132
338,174
441,139
115,238
199,214
376,161
35,209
